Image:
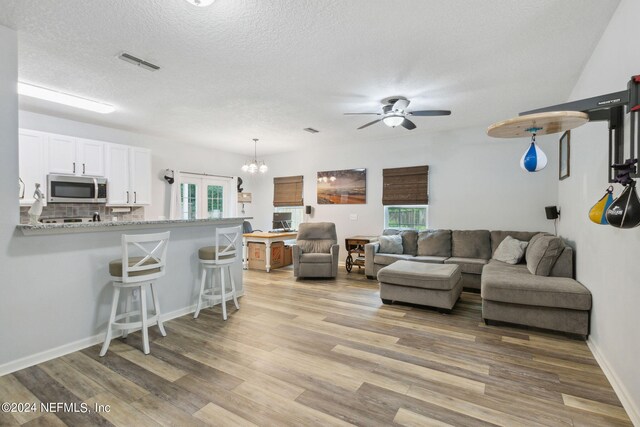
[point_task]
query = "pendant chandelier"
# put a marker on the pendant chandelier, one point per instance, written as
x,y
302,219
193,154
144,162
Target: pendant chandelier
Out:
x,y
253,166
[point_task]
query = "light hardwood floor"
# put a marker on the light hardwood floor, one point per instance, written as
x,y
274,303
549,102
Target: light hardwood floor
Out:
x,y
325,352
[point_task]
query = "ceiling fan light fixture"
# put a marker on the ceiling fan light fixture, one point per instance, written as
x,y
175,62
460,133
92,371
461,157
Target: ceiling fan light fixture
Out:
x,y
393,120
201,3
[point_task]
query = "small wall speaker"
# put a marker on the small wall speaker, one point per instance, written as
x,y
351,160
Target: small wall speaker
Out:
x,y
307,210
552,212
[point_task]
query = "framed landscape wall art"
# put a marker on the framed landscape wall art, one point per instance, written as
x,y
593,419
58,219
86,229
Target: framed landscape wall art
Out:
x,y
343,187
565,156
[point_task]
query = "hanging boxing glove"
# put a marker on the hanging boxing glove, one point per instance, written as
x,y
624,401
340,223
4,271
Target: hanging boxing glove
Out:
x,y
597,212
624,212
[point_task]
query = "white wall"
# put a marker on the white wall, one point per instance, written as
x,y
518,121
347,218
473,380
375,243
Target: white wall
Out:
x,y
475,182
178,155
606,258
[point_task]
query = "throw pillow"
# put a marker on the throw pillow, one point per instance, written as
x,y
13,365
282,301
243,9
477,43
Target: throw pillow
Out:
x,y
543,253
510,250
390,244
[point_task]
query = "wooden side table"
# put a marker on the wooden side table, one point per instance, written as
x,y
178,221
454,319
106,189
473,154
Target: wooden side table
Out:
x,y
355,250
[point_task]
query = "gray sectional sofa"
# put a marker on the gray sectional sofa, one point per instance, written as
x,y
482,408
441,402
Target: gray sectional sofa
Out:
x,y
510,293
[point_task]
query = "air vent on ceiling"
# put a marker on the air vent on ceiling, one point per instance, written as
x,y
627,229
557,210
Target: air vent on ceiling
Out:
x,y
139,62
311,130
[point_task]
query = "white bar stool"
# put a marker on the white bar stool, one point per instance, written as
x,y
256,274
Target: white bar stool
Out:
x,y
219,257
143,261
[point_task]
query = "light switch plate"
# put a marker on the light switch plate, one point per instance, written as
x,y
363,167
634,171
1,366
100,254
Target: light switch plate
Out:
x,y
353,217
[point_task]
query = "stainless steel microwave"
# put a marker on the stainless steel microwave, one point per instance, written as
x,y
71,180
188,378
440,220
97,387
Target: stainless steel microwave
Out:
x,y
76,189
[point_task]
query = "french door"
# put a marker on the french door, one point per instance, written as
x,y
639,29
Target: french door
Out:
x,y
204,197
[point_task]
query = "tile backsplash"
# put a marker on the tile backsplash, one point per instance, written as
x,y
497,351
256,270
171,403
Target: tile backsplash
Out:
x,y
83,210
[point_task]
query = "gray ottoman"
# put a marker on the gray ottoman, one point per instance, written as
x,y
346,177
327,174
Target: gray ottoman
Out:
x,y
433,285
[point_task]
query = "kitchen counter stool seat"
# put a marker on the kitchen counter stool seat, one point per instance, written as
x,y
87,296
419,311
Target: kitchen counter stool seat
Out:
x,y
137,272
219,257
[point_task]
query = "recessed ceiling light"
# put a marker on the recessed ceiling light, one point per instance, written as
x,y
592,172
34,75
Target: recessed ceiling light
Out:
x,y
64,98
201,3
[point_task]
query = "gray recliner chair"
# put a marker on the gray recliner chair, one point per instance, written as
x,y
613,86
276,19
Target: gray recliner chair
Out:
x,y
315,253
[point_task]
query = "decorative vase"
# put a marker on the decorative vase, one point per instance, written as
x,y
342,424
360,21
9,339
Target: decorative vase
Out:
x,y
598,211
624,212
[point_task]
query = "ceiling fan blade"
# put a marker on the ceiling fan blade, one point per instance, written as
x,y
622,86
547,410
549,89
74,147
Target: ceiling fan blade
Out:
x,y
401,105
370,123
430,113
361,114
408,124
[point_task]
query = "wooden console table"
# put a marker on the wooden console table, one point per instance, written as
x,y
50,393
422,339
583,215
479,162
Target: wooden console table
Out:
x,y
355,246
267,239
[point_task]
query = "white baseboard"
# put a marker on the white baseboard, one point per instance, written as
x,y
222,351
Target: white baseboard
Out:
x,y
618,386
53,353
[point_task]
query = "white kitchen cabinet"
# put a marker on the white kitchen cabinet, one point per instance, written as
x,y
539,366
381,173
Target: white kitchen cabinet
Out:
x,y
128,175
140,175
62,154
32,163
75,156
118,174
90,156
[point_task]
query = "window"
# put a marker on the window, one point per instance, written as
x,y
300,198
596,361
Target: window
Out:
x,y
188,201
405,196
413,217
214,198
297,214
205,196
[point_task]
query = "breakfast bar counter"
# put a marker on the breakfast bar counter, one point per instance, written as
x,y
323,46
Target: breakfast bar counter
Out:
x,y
61,272
89,227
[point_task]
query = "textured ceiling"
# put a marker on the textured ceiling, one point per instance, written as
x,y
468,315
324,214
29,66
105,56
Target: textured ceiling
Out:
x,y
241,69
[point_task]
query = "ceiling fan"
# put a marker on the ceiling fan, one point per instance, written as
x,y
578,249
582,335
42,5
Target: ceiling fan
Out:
x,y
394,112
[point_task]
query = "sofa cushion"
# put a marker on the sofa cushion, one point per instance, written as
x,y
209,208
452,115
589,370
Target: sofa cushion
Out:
x,y
316,246
532,241
429,259
386,259
434,243
510,250
471,244
468,265
497,236
420,275
390,244
542,253
315,258
409,239
514,284
409,242
564,264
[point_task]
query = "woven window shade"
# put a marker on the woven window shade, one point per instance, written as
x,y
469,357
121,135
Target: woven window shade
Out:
x,y
287,191
405,186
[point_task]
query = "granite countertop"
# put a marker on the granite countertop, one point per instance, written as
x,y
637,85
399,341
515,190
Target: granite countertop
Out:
x,y
84,227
